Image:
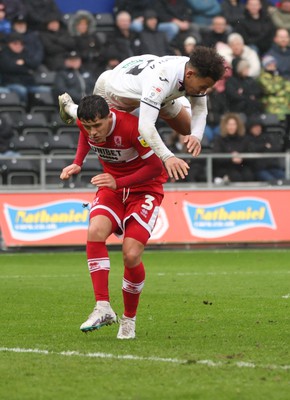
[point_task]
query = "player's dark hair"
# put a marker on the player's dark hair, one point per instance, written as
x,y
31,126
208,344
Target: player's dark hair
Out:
x,y
92,107
207,62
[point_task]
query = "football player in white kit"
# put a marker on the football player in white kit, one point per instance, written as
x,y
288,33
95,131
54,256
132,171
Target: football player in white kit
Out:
x,y
172,87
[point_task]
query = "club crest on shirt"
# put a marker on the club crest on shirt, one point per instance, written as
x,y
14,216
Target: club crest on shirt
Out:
x,y
118,140
143,141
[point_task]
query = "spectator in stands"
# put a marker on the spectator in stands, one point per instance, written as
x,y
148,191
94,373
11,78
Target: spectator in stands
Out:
x,y
216,107
137,9
82,27
280,50
187,47
281,15
243,93
18,69
233,11
217,32
236,49
14,8
276,89
56,43
178,13
122,41
151,40
232,140
196,173
32,42
204,11
73,78
5,24
39,12
265,169
256,28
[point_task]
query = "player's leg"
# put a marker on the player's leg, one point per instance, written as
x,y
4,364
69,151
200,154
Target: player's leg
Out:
x,y
134,276
102,224
138,228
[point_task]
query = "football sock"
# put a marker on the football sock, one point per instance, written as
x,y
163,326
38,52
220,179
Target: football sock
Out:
x,y
133,283
99,267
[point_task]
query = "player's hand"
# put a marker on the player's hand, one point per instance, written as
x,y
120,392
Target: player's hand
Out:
x,y
193,145
104,180
176,168
70,170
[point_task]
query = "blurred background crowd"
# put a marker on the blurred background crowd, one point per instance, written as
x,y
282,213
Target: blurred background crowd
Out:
x,y
45,52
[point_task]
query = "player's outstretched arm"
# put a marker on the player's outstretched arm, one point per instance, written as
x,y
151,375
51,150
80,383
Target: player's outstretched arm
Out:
x,y
70,170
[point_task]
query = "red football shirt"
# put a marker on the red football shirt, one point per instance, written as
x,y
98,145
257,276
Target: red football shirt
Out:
x,y
123,153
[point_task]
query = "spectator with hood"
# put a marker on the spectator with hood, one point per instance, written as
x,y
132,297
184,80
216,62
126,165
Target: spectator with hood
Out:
x,y
82,27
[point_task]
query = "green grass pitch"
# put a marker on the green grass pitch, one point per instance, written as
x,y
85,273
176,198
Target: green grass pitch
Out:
x,y
212,325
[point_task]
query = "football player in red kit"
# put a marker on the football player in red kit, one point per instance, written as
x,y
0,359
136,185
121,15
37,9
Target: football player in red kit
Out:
x,y
129,193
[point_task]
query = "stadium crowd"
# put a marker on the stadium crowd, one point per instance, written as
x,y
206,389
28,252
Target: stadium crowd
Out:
x,y
44,53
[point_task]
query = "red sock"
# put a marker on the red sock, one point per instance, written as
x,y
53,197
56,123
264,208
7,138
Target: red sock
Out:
x,y
99,267
133,283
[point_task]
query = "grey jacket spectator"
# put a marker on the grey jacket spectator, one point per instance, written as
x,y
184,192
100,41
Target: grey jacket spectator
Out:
x,y
280,50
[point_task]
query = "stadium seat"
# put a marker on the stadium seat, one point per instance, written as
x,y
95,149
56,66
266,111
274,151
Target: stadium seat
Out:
x,y
31,141
20,172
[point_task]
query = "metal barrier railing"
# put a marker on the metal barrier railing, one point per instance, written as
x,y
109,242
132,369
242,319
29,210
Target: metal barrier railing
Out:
x,y
209,157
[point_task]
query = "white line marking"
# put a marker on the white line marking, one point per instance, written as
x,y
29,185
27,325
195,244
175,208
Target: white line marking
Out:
x,y
287,296
208,363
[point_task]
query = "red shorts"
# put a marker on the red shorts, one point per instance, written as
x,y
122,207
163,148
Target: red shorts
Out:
x,y
119,206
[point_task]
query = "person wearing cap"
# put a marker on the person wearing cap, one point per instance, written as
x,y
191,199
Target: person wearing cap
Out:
x,y
32,42
18,69
261,141
73,78
151,40
276,89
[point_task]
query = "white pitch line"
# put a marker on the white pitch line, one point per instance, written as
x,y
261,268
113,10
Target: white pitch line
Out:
x,y
208,363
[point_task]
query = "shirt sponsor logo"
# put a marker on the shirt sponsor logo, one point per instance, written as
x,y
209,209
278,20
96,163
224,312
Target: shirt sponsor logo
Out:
x,y
143,141
228,217
46,220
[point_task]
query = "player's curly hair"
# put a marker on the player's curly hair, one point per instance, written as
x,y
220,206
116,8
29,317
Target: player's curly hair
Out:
x,y
92,107
207,62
